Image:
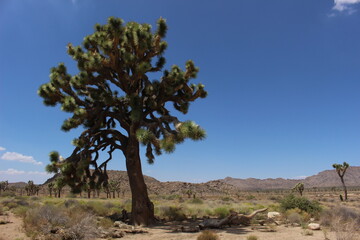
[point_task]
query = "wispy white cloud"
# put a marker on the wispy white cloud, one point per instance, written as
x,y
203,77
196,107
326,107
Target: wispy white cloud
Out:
x,y
2,148
18,157
14,175
345,5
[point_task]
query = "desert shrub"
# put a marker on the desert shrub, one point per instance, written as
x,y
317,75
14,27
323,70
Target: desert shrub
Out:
x,y
297,216
173,213
81,226
208,235
343,221
344,213
304,204
252,237
42,219
42,222
109,205
8,194
21,211
70,202
105,222
221,212
95,207
196,201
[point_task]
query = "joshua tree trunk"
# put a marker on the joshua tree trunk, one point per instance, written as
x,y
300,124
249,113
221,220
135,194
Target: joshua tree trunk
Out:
x,y
142,212
344,187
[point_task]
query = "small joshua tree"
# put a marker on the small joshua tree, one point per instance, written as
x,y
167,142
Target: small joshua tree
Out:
x,y
299,188
341,170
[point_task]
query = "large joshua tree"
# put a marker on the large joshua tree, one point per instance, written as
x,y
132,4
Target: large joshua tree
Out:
x,y
119,107
341,170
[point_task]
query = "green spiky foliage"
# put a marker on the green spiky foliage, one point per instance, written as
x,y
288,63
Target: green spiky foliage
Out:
x,y
341,170
117,104
299,188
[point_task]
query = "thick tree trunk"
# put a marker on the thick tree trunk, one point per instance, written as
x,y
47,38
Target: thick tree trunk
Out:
x,y
142,212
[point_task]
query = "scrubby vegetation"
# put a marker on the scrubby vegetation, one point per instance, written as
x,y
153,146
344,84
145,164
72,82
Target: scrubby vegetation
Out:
x,y
292,202
77,217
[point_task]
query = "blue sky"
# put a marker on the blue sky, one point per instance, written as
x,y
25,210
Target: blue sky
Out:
x,y
283,79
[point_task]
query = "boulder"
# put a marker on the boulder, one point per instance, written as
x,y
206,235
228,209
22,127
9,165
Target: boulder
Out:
x,y
314,226
273,215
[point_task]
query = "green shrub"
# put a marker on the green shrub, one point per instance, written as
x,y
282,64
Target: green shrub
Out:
x,y
302,203
221,212
208,235
174,213
96,207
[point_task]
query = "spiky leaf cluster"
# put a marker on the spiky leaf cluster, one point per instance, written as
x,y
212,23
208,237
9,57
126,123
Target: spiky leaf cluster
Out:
x,y
113,99
341,168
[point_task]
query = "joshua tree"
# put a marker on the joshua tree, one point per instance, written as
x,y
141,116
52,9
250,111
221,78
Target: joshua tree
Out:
x,y
119,107
30,188
4,186
341,170
299,188
50,188
59,185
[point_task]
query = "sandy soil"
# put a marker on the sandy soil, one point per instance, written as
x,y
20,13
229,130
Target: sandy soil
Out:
x,y
233,233
12,230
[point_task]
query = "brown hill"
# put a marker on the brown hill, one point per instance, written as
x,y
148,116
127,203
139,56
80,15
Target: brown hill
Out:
x,y
327,178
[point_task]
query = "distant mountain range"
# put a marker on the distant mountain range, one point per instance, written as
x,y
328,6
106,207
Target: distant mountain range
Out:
x,y
328,178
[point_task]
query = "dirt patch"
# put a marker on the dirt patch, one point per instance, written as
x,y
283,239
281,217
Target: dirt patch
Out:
x,y
13,229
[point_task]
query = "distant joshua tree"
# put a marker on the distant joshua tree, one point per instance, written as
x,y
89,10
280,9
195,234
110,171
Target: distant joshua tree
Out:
x,y
51,188
299,188
341,170
4,186
31,188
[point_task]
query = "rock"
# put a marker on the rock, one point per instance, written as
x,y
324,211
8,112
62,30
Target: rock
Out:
x,y
273,215
117,234
314,226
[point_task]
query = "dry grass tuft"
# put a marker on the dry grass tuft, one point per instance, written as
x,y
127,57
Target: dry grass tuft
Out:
x,y
208,235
